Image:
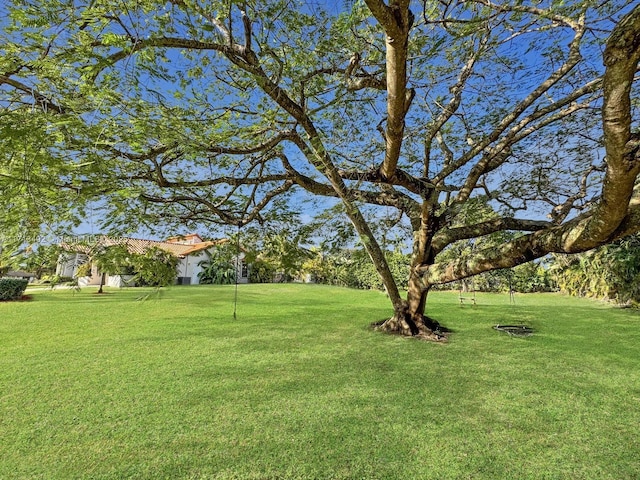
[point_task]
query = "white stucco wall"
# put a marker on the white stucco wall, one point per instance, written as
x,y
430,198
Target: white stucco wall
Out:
x,y
188,266
68,263
120,281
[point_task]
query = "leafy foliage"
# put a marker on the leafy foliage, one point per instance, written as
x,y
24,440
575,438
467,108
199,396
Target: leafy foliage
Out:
x,y
108,260
220,268
354,269
262,271
527,278
611,272
83,270
155,268
276,252
40,260
115,260
12,288
10,254
5,261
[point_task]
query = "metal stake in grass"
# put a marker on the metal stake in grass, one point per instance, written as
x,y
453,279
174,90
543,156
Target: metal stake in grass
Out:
x,y
237,264
512,297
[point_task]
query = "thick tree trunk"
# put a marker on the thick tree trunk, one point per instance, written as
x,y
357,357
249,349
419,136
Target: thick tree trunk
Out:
x,y
416,298
102,279
412,320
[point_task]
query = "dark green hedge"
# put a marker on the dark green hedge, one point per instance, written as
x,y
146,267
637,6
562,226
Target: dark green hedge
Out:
x,y
12,288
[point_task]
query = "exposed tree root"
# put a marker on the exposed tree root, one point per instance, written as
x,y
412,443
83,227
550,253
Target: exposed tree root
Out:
x,y
423,327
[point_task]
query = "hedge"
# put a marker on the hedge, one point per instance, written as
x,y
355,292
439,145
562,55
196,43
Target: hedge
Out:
x,y
12,288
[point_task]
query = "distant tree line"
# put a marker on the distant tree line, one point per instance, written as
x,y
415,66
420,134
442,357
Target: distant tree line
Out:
x,y
611,272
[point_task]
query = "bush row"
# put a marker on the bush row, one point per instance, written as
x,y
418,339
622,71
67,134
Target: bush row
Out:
x,y
12,288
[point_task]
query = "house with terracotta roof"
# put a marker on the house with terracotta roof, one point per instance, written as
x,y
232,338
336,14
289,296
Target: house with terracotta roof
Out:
x,y
20,274
191,250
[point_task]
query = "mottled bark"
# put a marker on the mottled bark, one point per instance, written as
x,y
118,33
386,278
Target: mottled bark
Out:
x,y
396,19
411,319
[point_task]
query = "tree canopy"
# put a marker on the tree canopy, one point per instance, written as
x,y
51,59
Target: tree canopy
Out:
x,y
229,111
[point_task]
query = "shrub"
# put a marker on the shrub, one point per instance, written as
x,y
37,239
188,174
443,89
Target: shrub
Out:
x,y
262,271
220,269
83,270
611,272
354,269
156,268
12,288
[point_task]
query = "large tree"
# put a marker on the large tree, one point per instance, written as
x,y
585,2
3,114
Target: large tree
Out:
x,y
224,111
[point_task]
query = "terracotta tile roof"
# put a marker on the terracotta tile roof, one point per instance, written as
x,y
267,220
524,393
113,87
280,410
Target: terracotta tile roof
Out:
x,y
20,273
140,246
190,239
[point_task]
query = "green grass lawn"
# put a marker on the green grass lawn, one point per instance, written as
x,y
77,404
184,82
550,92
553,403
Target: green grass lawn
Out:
x,y
298,387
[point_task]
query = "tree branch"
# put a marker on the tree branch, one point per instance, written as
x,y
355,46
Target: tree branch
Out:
x,y
456,92
621,58
44,103
525,248
396,19
448,236
539,12
573,59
